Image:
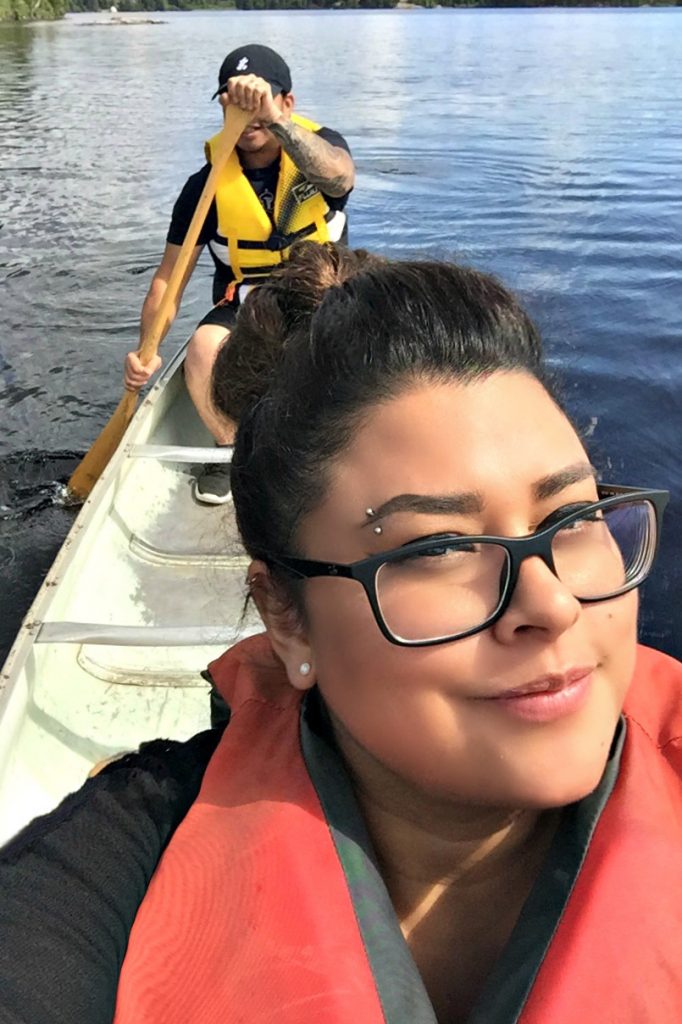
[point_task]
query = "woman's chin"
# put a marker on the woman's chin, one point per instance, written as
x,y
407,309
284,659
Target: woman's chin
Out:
x,y
560,789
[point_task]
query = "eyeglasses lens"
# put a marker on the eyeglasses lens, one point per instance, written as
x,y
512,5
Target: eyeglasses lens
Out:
x,y
445,590
607,552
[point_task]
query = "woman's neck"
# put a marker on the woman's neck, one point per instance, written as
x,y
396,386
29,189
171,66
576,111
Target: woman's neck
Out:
x,y
425,866
427,845
457,875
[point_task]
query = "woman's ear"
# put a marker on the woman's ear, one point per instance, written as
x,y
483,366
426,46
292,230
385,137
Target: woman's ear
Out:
x,y
284,627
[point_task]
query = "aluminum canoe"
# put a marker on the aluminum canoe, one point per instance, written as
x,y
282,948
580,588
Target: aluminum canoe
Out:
x,y
146,590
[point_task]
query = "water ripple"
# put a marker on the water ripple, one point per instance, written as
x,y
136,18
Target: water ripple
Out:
x,y
541,145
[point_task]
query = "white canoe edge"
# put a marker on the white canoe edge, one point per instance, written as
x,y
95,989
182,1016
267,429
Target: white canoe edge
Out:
x,y
146,590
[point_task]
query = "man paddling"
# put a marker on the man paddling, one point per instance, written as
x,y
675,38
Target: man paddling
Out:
x,y
288,179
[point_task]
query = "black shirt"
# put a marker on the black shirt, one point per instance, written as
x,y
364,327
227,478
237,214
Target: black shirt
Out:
x,y
263,180
72,881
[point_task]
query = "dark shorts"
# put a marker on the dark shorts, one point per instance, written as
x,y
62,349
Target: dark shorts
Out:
x,y
222,315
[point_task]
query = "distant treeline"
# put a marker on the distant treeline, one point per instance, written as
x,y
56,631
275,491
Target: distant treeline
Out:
x,y
47,10
269,5
537,3
149,5
32,10
39,10
320,5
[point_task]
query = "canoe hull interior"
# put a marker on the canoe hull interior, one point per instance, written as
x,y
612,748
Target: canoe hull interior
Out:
x,y
146,590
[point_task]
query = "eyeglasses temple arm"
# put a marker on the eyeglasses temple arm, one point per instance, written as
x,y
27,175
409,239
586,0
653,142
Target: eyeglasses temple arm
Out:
x,y
307,569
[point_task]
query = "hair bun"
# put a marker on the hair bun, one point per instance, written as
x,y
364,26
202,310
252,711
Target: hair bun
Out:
x,y
282,307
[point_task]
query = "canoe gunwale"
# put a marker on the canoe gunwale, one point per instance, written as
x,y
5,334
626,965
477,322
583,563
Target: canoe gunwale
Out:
x,y
37,613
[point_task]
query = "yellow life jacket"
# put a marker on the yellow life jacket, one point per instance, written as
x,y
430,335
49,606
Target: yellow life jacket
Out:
x,y
257,244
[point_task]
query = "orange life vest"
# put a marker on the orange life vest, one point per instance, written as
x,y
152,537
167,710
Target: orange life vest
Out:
x,y
256,914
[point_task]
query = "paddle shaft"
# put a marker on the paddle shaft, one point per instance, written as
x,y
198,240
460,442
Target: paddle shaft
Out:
x,y
88,472
235,123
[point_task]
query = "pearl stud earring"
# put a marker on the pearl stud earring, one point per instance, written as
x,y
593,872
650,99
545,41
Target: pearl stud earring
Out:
x,y
305,668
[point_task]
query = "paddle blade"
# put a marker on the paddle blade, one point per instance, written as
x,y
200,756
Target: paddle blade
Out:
x,y
88,472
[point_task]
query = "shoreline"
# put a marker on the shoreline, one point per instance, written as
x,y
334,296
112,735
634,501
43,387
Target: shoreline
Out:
x,y
12,13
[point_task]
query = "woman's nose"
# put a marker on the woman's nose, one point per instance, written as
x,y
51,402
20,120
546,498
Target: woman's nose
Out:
x,y
540,602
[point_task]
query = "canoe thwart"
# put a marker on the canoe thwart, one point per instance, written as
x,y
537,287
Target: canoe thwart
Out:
x,y
134,636
180,453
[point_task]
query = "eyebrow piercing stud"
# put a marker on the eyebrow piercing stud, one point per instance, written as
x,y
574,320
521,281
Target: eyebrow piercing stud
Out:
x,y
370,513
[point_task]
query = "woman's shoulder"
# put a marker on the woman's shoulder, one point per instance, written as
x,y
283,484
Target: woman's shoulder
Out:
x,y
155,784
72,881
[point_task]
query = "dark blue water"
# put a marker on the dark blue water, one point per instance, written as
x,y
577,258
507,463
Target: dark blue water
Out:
x,y
545,146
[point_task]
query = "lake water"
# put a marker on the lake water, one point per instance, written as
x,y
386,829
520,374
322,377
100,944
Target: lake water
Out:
x,y
545,146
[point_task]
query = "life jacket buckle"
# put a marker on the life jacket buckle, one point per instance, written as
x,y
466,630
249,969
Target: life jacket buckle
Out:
x,y
277,242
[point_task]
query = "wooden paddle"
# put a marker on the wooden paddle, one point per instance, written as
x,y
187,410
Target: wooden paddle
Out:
x,y
95,461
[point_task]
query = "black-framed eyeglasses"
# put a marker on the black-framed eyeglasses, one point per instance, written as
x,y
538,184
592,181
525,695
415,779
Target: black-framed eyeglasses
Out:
x,y
447,587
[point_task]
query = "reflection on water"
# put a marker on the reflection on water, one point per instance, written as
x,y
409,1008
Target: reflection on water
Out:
x,y
541,145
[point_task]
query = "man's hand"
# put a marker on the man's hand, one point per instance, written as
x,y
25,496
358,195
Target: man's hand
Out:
x,y
329,168
249,92
135,375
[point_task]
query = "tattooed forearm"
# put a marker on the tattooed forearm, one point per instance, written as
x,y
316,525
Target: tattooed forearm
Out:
x,y
328,167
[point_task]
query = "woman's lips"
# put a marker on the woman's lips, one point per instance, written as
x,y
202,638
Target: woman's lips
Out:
x,y
548,697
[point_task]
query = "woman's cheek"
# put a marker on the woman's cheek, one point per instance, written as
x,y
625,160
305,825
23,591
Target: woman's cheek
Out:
x,y
613,628
343,633
407,707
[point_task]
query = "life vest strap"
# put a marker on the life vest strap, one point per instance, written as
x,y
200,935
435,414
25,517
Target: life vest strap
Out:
x,y
277,242
234,259
258,272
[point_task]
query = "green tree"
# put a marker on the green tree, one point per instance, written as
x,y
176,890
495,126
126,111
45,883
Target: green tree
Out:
x,y
32,10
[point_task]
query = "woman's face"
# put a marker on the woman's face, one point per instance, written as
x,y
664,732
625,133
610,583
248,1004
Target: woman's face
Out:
x,y
441,719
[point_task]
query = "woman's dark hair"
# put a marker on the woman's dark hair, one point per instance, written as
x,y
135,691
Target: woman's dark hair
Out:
x,y
328,337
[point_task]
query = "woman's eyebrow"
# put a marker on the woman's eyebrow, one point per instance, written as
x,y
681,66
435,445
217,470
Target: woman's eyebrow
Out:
x,y
471,502
465,503
553,484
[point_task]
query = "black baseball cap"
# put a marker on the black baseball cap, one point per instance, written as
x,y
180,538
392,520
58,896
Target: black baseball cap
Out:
x,y
255,59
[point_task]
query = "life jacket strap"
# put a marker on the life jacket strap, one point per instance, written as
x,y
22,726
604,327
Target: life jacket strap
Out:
x,y
234,260
277,241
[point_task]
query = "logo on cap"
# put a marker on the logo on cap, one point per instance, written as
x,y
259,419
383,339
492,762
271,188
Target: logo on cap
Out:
x,y
243,64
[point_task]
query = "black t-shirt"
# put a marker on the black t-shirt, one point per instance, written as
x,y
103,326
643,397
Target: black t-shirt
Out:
x,y
263,180
72,881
